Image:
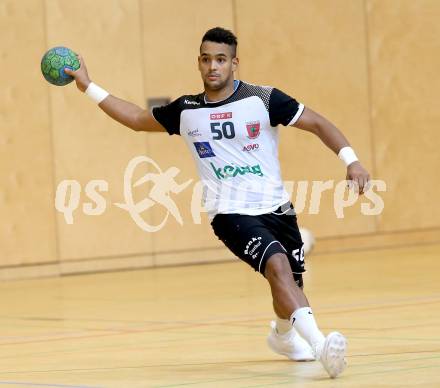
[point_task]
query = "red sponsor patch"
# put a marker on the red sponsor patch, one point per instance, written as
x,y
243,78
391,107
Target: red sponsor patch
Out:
x,y
253,129
221,116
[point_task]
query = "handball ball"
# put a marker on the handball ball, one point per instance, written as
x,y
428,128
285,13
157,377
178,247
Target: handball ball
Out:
x,y
55,61
308,240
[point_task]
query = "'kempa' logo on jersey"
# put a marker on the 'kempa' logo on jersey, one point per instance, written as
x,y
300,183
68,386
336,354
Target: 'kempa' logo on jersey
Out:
x,y
204,149
191,102
230,171
221,116
253,128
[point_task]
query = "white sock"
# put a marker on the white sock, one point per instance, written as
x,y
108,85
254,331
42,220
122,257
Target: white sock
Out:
x,y
283,326
304,323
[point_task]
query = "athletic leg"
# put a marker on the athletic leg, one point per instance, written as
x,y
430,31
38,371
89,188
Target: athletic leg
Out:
x,y
287,296
272,245
290,303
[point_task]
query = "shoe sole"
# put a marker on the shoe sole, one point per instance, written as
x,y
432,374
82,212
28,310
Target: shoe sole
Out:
x,y
333,354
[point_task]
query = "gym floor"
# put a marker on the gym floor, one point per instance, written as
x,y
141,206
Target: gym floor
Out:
x,y
206,325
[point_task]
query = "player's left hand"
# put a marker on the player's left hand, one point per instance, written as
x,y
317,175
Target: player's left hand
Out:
x,y
357,174
81,75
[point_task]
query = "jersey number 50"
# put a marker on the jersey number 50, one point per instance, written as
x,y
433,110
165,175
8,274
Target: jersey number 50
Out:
x,y
226,131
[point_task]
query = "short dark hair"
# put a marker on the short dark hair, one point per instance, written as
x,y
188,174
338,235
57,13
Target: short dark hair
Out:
x,y
221,35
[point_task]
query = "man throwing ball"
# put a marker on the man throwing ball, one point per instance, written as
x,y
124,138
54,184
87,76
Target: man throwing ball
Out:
x,y
231,130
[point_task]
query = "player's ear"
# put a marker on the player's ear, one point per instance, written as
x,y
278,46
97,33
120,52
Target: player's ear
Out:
x,y
198,62
235,62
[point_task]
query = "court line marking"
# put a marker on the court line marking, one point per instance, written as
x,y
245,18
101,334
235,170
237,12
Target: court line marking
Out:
x,y
393,303
343,378
55,335
250,375
394,370
184,325
327,309
201,335
268,385
30,384
257,375
385,362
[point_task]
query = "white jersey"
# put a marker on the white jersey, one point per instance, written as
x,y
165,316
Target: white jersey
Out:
x,y
234,143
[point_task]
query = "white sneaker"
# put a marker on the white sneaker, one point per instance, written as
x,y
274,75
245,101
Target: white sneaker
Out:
x,y
331,353
289,344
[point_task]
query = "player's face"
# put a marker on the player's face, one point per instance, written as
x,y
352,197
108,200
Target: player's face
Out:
x,y
217,65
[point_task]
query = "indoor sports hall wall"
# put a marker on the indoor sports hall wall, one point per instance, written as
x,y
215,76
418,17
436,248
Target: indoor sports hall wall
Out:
x,y
369,66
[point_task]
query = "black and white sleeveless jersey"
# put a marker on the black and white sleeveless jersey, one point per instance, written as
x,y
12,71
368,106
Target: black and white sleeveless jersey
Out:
x,y
234,143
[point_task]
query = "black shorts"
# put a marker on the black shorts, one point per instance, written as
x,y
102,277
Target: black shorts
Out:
x,y
256,238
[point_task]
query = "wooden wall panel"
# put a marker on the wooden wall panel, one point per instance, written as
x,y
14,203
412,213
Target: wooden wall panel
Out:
x,y
329,55
172,34
405,58
27,228
316,52
88,144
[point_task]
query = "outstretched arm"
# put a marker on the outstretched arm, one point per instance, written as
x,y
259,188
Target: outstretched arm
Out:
x,y
125,112
333,138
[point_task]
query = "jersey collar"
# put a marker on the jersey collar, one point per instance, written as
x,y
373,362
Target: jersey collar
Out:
x,y
236,85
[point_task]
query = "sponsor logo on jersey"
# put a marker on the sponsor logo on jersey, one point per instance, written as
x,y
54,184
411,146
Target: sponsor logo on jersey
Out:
x,y
231,171
221,116
252,246
253,129
193,133
204,149
251,147
189,102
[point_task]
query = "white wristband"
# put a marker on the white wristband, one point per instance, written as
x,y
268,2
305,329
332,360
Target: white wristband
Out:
x,y
96,93
347,155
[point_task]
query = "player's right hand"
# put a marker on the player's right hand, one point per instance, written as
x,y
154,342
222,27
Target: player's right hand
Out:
x,y
81,76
